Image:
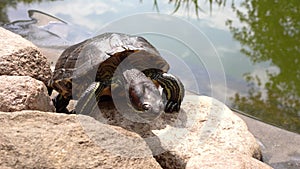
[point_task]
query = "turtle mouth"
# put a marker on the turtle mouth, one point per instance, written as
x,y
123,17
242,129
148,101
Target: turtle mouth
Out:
x,y
149,111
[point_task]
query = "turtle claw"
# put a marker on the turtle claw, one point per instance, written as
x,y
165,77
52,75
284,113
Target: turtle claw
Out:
x,y
172,106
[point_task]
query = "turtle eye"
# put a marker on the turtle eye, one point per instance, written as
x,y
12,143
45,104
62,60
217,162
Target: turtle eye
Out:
x,y
146,106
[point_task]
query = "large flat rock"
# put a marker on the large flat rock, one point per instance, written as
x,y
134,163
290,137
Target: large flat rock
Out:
x,y
33,139
204,129
210,130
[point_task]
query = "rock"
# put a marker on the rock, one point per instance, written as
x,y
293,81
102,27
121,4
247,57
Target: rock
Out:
x,y
32,139
203,128
214,160
19,57
23,93
209,130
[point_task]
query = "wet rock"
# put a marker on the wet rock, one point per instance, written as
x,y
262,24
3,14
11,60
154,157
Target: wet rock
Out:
x,y
23,93
19,57
32,139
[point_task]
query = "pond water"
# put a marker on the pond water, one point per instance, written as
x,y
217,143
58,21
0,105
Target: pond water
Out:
x,y
245,53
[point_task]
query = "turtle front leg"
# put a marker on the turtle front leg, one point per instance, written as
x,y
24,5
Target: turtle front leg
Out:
x,y
172,88
90,98
61,104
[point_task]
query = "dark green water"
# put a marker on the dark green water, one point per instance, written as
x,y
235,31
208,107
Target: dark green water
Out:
x,y
271,33
257,41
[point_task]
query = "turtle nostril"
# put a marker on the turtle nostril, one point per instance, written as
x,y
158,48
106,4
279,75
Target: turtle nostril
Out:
x,y
146,106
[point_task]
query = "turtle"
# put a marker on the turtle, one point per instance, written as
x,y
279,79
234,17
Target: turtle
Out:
x,y
88,70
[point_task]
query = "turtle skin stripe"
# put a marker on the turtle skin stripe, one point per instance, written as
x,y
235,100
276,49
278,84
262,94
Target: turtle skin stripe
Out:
x,y
172,88
89,99
174,91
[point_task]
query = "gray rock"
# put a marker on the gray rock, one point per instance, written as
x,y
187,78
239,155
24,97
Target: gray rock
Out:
x,y
19,57
32,139
23,93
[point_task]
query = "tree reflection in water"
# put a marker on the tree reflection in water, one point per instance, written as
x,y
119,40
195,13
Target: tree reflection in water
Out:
x,y
271,32
190,4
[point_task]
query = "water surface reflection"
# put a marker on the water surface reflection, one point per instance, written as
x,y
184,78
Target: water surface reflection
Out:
x,y
271,33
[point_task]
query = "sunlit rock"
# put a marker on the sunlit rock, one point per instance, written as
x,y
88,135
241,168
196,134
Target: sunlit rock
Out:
x,y
33,139
204,134
19,57
23,93
210,129
221,160
203,128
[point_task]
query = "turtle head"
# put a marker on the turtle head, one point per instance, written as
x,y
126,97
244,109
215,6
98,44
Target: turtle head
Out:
x,y
145,97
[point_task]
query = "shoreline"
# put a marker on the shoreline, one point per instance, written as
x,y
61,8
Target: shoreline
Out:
x,y
280,148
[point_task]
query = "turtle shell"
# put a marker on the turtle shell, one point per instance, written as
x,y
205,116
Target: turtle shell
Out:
x,y
96,59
